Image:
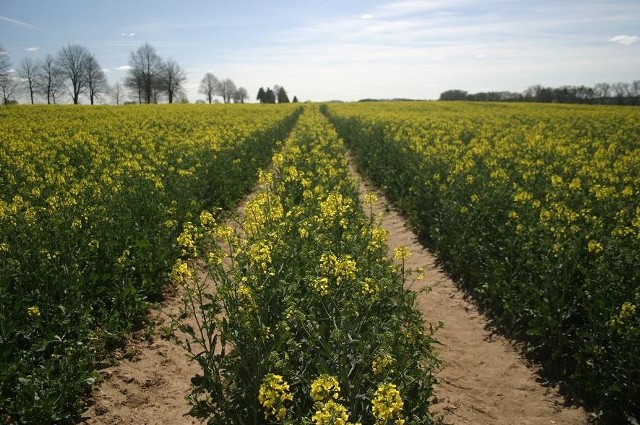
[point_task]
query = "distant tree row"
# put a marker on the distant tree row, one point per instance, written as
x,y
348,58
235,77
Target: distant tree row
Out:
x,y
210,86
277,95
601,93
149,76
75,71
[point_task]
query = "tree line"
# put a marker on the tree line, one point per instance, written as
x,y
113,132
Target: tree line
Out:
x,y
75,72
602,93
277,95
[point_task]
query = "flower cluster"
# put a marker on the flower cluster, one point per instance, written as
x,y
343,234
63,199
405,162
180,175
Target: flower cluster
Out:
x,y
387,404
33,311
402,253
325,388
274,393
381,363
331,413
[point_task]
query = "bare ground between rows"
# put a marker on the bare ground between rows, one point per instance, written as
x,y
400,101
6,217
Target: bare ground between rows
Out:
x,y
484,380
151,378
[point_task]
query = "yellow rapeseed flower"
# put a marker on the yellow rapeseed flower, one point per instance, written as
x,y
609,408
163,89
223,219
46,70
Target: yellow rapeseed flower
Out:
x,y
370,199
595,247
225,233
331,413
273,394
33,311
321,285
369,286
187,241
381,363
387,404
378,238
180,272
207,220
265,178
621,320
401,253
325,388
260,254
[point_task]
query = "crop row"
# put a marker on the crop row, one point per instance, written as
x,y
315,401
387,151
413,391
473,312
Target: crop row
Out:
x,y
91,203
537,209
303,318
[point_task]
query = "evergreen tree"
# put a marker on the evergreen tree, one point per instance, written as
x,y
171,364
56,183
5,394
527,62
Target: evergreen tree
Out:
x,y
270,96
261,96
282,96
295,99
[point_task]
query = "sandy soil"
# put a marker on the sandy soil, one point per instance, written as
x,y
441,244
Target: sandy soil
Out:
x,y
484,379
150,379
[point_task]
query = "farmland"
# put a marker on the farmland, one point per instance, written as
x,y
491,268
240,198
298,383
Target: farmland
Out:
x,y
317,317
535,209
91,203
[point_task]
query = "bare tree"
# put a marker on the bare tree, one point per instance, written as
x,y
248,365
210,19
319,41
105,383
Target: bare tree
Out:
x,y
145,72
73,61
27,71
226,89
181,96
117,92
240,95
5,63
49,79
134,81
9,86
8,81
172,78
97,84
635,92
621,91
209,86
601,90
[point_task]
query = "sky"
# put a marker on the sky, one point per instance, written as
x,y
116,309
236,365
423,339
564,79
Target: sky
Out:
x,y
345,49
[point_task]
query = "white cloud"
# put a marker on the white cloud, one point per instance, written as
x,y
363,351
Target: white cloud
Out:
x,y
412,7
16,22
481,55
367,16
128,34
32,49
122,68
625,39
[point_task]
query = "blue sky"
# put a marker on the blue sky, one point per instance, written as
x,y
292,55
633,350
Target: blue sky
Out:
x,y
329,49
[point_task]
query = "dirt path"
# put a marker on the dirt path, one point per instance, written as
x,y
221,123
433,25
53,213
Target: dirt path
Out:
x,y
484,380
149,383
